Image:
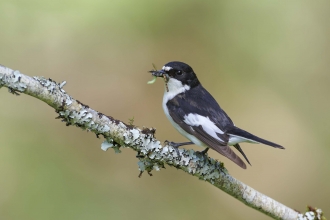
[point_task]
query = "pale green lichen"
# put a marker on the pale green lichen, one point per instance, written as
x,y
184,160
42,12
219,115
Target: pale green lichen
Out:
x,y
106,145
312,214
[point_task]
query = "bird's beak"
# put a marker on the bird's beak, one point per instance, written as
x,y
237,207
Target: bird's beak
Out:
x,y
160,73
157,73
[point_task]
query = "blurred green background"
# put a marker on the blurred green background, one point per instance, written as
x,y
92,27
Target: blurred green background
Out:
x,y
266,62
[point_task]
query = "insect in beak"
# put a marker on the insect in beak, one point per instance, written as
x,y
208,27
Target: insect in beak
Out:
x,y
159,73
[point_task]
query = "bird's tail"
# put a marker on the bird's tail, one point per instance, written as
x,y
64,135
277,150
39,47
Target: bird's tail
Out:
x,y
235,131
242,152
230,154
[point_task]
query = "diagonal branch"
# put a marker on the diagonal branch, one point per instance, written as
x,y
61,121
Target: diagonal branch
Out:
x,y
152,155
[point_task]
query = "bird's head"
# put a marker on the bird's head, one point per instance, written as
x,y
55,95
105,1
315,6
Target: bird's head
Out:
x,y
177,74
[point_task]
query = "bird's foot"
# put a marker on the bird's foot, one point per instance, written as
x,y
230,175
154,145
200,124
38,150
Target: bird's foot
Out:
x,y
203,153
175,146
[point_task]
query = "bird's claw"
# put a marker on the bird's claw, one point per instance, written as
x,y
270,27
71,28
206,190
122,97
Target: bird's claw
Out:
x,y
203,153
175,146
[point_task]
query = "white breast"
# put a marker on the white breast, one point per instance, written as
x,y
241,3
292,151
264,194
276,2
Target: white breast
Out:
x,y
175,87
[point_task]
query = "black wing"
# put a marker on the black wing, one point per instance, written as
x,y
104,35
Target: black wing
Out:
x,y
179,107
206,105
202,102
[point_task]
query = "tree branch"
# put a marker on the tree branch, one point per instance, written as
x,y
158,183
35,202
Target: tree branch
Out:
x,y
152,155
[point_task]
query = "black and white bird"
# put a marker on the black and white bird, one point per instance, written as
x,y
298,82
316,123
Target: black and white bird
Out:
x,y
193,111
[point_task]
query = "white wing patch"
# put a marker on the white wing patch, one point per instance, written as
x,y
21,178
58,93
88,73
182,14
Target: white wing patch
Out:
x,y
207,125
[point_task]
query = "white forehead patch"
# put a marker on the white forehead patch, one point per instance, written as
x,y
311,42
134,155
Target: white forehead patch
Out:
x,y
167,68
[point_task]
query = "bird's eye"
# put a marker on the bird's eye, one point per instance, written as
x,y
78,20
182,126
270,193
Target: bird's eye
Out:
x,y
179,73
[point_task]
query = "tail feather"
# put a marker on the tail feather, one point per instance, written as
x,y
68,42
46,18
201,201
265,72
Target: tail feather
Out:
x,y
244,134
230,154
241,151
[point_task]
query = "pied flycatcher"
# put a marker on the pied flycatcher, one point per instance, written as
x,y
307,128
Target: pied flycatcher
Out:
x,y
196,115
